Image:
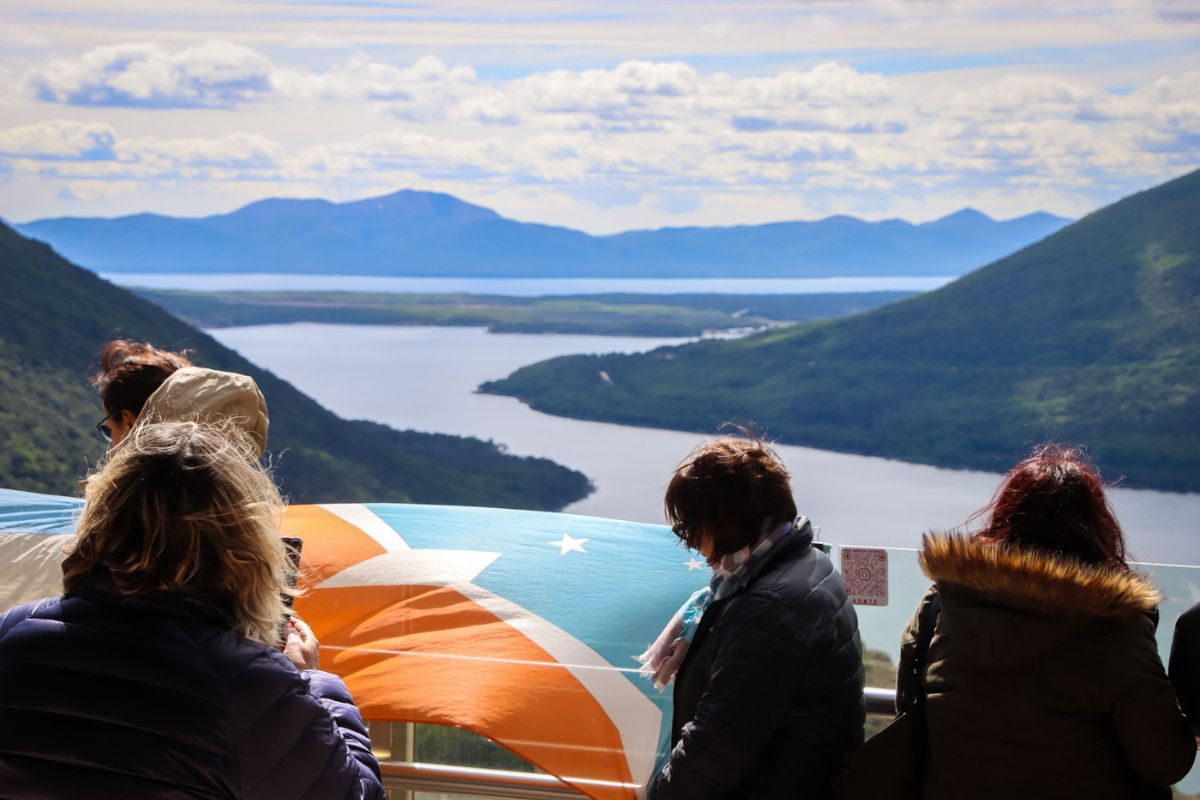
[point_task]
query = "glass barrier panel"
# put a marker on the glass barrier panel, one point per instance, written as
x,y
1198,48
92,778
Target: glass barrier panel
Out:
x,y
881,625
599,726
1180,586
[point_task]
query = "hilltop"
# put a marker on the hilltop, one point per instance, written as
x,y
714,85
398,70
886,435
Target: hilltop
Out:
x,y
54,317
414,233
1090,336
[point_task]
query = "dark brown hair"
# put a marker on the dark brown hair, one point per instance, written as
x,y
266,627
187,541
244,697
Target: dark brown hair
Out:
x,y
1054,501
728,489
130,372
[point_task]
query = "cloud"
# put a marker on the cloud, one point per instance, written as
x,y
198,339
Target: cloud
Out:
x,y
214,74
633,92
642,133
667,97
828,84
86,191
423,86
240,151
221,74
403,150
54,140
75,150
310,40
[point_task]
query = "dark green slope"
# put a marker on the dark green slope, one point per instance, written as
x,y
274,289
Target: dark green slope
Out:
x,y
1090,336
53,319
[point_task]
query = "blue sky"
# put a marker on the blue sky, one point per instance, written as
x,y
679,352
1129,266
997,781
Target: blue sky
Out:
x,y
602,116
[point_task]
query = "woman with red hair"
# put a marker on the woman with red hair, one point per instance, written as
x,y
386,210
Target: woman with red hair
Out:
x,y
1042,678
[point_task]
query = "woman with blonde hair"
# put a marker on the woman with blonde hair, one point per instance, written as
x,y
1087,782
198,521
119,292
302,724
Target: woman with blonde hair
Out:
x,y
159,673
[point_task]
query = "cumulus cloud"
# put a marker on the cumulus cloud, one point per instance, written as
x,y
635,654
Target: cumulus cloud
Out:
x,y
666,97
78,150
404,151
233,151
420,88
649,133
59,139
221,74
214,74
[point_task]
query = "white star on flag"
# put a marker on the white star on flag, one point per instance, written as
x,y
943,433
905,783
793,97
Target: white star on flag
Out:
x,y
568,543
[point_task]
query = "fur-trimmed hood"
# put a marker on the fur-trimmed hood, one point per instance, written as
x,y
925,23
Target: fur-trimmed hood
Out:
x,y
1034,580
1008,605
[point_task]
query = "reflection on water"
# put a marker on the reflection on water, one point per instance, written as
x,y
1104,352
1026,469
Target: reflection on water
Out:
x,y
424,378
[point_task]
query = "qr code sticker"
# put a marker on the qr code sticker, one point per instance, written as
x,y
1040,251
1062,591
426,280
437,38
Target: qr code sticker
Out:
x,y
865,571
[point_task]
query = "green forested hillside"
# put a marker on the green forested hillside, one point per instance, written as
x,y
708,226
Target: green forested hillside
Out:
x,y
54,317
612,314
1091,336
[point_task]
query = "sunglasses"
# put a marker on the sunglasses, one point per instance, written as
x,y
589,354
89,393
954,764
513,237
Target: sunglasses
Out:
x,y
104,430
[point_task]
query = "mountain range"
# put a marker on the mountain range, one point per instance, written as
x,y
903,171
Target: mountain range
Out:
x,y
54,317
413,233
1091,336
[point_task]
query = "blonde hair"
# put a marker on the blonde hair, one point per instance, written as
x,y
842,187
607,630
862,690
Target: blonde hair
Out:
x,y
183,509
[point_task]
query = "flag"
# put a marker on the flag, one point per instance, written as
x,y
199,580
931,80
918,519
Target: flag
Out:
x,y
520,626
34,529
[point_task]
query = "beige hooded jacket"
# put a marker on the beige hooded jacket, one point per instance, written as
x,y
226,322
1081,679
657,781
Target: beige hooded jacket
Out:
x,y
191,393
207,395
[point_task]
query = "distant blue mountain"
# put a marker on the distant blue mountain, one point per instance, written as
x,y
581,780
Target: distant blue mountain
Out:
x,y
415,233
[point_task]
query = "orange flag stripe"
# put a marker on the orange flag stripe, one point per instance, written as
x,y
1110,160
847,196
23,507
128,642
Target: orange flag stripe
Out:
x,y
331,544
430,654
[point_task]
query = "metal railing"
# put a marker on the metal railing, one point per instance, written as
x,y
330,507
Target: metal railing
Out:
x,y
405,777
880,701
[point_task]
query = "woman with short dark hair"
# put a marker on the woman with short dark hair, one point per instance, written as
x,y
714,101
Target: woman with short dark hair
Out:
x,y
1043,678
766,661
159,674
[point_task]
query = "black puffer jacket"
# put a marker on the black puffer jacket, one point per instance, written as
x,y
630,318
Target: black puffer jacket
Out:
x,y
770,697
1185,664
108,698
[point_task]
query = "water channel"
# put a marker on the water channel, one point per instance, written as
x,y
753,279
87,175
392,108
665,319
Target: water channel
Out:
x,y
425,377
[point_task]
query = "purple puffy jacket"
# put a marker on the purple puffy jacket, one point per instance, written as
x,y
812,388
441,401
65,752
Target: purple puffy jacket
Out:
x,y
103,697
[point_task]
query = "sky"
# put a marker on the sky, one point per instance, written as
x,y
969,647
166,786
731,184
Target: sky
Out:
x,y
601,116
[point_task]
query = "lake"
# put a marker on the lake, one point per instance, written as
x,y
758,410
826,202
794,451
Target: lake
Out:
x,y
521,287
424,378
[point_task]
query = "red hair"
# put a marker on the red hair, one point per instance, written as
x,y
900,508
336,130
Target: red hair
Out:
x,y
1054,501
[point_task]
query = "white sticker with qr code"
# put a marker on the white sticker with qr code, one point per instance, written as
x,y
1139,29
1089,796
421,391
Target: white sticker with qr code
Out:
x,y
865,571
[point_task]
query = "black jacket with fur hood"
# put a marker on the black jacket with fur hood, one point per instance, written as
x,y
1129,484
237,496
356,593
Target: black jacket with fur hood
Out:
x,y
1044,680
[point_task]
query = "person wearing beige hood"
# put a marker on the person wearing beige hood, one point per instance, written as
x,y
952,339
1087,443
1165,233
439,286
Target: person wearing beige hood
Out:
x,y
140,382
